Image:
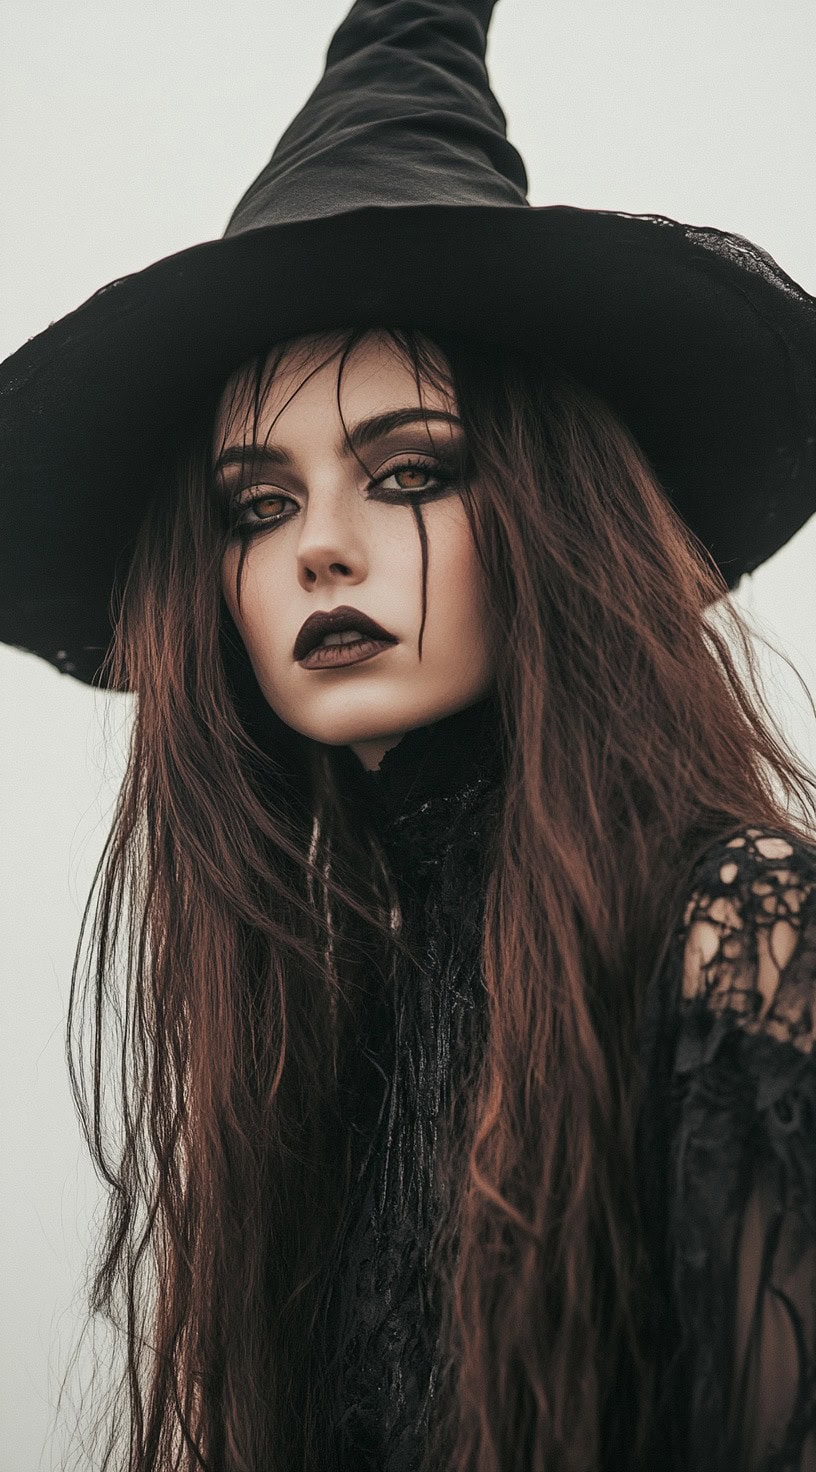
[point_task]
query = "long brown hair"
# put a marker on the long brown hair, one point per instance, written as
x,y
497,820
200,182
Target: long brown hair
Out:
x,y
226,954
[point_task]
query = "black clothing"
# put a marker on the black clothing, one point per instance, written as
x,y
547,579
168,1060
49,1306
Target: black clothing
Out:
x,y
433,802
729,1149
727,1139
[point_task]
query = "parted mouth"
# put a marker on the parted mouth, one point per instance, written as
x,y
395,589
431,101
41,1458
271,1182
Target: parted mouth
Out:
x,y
319,624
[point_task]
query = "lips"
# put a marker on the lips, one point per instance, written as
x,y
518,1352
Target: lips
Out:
x,y
319,624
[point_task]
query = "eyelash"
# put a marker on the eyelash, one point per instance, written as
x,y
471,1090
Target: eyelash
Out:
x,y
443,477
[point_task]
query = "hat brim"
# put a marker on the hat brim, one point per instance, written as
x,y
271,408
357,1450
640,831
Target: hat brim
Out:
x,y
700,343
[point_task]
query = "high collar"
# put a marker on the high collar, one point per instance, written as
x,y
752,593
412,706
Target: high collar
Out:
x,y
439,759
435,776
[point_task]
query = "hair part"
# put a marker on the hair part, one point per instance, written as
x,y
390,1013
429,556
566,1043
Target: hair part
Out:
x,y
243,918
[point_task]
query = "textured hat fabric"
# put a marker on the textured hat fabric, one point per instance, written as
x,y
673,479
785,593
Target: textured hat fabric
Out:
x,y
395,198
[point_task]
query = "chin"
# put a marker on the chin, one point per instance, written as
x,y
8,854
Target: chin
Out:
x,y
358,734
356,728
355,720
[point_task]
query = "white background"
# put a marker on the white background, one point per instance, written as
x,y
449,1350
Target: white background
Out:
x,y
128,132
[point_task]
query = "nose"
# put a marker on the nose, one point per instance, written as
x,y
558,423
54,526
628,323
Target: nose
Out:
x,y
330,548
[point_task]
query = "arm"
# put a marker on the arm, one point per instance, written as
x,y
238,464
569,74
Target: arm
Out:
x,y
742,1213
774,1308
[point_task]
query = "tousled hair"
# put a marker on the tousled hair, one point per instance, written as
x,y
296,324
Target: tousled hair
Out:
x,y
228,959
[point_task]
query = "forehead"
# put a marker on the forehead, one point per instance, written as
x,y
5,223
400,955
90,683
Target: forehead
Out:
x,y
305,377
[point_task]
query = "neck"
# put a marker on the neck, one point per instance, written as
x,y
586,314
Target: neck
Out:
x,y
371,753
428,764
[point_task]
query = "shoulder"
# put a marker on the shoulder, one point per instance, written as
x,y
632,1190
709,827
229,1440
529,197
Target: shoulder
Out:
x,y
747,936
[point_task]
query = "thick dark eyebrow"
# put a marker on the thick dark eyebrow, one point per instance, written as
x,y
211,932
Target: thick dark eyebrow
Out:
x,y
360,435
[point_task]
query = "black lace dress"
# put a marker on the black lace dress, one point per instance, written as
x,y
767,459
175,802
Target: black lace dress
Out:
x,y
727,1141
729,1155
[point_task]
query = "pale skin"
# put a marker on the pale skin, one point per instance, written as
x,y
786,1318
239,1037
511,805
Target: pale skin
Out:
x,y
339,540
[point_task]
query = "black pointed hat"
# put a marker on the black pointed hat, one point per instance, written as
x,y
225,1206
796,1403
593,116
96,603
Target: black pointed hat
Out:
x,y
394,198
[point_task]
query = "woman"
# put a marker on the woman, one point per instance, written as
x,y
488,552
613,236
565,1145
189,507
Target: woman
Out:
x,y
460,980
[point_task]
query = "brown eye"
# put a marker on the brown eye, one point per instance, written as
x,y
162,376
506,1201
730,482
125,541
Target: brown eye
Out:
x,y
423,478
261,504
265,510
417,476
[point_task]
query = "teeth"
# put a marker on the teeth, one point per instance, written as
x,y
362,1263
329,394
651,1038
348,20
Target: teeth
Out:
x,y
348,636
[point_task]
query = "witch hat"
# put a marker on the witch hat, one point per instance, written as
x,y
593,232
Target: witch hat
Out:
x,y
395,199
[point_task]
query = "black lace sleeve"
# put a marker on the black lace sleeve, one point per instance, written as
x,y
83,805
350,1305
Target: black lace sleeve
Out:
x,y
741,1197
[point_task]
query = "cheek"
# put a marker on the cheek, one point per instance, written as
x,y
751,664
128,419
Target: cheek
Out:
x,y
457,577
259,615
229,568
452,546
